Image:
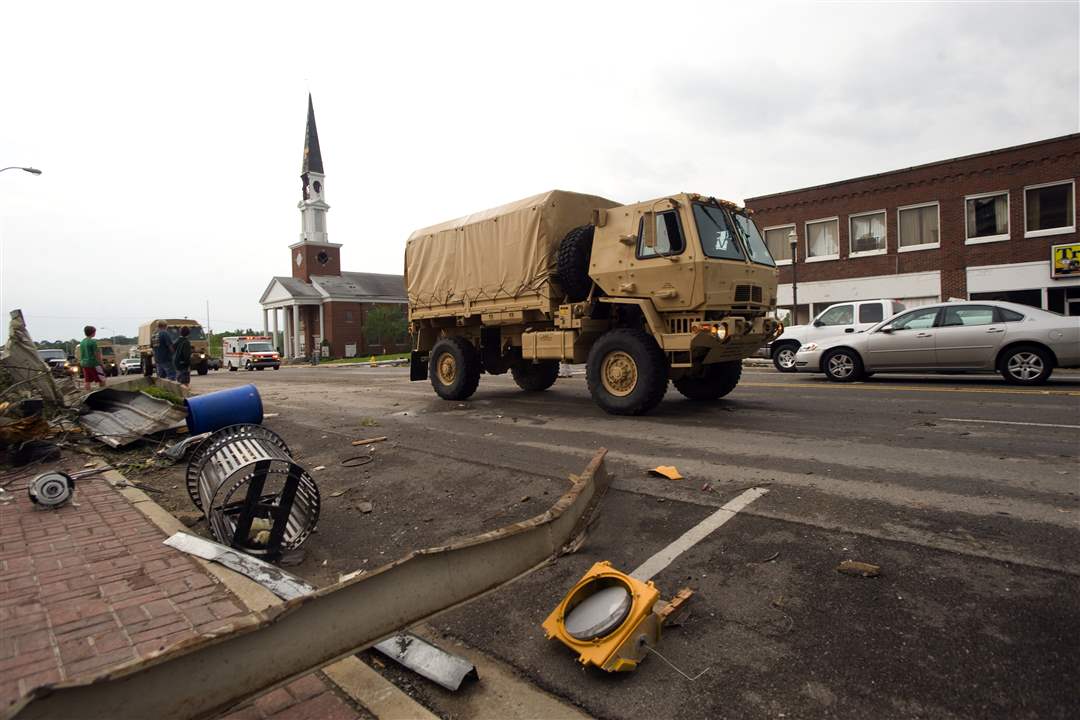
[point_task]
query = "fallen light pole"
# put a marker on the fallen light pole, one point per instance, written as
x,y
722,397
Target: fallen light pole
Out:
x,y
207,675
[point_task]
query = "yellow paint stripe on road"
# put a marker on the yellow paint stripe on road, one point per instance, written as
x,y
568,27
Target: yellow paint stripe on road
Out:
x,y
875,386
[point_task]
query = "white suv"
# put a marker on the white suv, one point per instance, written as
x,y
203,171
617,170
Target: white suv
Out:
x,y
834,320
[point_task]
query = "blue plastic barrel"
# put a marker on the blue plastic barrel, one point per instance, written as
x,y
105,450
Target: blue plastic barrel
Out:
x,y
207,413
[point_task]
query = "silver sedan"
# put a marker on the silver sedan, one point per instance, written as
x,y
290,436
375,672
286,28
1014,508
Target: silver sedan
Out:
x,y
1022,343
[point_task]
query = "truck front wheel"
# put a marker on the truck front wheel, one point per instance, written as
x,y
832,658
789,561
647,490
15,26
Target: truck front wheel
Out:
x,y
715,381
454,368
627,372
534,377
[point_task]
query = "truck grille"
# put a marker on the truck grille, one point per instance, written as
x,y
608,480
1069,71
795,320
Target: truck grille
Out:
x,y
680,324
747,293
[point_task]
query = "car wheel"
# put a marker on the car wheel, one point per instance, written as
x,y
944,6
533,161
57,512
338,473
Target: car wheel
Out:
x,y
783,358
842,365
1026,365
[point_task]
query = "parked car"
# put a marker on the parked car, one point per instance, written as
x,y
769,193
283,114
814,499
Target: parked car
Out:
x,y
130,366
1022,343
834,320
53,357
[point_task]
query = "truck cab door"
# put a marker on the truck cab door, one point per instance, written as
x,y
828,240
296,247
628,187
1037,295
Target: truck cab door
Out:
x,y
835,321
662,269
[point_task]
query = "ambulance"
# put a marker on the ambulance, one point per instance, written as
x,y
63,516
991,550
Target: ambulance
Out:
x,y
250,352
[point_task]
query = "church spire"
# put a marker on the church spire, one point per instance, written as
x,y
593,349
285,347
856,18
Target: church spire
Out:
x,y
312,154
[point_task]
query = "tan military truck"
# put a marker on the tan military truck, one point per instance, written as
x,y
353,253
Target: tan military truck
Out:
x,y
148,341
675,288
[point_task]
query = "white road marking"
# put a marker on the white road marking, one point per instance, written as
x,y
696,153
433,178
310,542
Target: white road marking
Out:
x,y
696,534
1011,422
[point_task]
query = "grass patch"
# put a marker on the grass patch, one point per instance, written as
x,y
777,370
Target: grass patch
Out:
x,y
346,361
163,394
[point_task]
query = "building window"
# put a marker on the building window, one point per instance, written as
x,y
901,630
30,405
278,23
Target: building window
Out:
x,y
822,240
1049,209
779,243
987,217
348,316
867,233
918,226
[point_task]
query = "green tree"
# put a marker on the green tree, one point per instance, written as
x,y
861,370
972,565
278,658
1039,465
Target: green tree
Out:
x,y
385,324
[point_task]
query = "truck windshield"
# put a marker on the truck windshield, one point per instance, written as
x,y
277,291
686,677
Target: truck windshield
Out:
x,y
52,355
195,332
107,351
259,347
755,245
718,240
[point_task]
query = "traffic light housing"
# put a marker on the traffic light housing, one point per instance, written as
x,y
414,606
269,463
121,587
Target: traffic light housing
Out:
x,y
607,618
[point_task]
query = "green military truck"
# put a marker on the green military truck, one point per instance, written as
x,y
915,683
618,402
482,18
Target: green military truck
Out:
x,y
148,342
679,288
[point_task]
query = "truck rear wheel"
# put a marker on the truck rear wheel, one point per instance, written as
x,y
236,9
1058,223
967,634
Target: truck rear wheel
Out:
x,y
573,263
715,381
534,377
454,368
627,372
147,366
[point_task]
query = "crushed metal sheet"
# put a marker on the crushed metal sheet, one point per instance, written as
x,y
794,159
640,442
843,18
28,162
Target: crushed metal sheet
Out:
x,y
667,471
204,676
285,585
428,660
121,417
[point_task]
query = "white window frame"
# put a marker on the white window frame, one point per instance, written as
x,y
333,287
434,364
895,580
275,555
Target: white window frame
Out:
x,y
1050,231
988,238
867,253
790,226
806,239
924,246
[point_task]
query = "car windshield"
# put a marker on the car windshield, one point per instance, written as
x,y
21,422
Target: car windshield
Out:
x,y
259,347
718,240
52,354
755,245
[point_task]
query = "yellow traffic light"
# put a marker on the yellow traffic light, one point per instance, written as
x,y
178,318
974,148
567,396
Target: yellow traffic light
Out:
x,y
608,619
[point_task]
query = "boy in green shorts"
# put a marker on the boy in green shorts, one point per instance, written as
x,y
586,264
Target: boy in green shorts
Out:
x,y
90,359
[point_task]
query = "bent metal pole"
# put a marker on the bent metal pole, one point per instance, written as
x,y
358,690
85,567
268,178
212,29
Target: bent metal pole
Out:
x,y
206,675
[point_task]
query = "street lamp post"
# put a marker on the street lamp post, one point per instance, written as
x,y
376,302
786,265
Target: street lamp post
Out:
x,y
32,171
794,240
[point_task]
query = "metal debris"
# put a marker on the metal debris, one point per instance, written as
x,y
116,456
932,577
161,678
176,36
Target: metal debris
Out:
x,y
369,441
666,471
285,585
858,569
428,660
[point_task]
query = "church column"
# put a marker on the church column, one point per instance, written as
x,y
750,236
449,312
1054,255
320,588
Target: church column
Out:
x,y
274,311
266,321
322,325
296,330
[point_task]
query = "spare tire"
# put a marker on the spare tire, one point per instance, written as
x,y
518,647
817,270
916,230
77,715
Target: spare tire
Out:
x,y
573,263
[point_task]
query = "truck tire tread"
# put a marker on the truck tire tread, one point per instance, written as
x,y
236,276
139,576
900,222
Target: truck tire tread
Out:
x,y
716,381
652,371
535,377
572,263
468,361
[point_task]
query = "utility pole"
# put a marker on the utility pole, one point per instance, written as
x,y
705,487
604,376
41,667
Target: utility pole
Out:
x,y
207,318
794,240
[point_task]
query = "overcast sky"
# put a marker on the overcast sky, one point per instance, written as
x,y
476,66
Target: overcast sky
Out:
x,y
171,135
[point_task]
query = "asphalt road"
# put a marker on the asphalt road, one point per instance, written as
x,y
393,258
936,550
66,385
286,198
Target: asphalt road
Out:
x,y
964,490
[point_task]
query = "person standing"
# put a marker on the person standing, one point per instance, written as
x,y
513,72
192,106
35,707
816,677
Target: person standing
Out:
x,y
163,352
182,358
90,359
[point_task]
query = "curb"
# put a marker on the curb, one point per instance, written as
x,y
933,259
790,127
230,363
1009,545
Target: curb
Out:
x,y
354,678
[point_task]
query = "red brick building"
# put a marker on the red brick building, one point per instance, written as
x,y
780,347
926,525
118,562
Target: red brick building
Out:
x,y
983,226
322,305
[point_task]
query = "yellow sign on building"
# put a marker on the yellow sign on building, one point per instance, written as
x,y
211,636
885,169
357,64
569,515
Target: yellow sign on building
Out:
x,y
1065,260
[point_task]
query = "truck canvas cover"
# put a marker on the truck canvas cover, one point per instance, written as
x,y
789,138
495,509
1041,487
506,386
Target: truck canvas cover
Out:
x,y
508,252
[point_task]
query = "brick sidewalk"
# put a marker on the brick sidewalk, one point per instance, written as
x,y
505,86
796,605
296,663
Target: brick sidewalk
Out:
x,y
90,586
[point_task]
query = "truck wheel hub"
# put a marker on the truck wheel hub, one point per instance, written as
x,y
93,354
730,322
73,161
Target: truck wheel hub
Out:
x,y
619,373
447,369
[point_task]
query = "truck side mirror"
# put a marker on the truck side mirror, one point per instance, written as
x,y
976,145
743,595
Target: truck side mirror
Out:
x,y
818,323
648,229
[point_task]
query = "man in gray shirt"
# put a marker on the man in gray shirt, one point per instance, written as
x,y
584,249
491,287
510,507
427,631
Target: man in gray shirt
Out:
x,y
163,352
